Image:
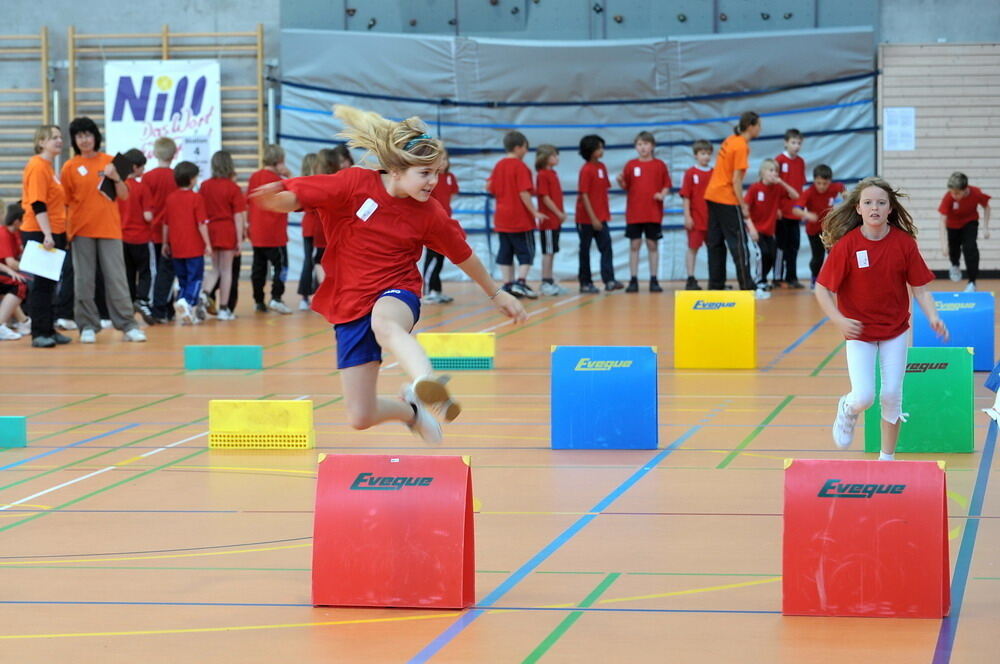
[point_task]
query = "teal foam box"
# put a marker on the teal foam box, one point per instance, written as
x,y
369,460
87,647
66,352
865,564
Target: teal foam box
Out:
x,y
223,357
937,394
13,431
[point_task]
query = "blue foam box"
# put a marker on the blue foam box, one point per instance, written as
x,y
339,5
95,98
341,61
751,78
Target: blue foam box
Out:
x,y
604,397
969,317
13,431
993,380
223,357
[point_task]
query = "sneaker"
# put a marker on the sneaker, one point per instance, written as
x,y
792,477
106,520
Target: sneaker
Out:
x,y
207,303
88,336
279,306
843,426
7,334
797,285
654,285
549,288
43,342
424,425
613,286
60,339
445,299
134,334
106,324
64,324
955,273
24,327
633,285
522,289
225,314
260,308
971,288
143,309
761,294
433,391
303,306
183,313
432,297
589,289
692,284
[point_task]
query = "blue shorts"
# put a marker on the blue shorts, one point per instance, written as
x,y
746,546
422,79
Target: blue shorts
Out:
x,y
356,342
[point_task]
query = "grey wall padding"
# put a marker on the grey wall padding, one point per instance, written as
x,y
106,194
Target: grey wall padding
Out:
x,y
321,68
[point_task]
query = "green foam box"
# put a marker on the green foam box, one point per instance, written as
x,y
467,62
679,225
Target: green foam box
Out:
x,y
223,357
13,431
937,394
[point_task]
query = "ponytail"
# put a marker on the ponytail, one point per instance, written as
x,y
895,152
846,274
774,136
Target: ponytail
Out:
x,y
747,120
396,145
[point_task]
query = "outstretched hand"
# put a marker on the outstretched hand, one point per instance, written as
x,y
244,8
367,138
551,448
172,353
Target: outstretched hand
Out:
x,y
267,196
510,307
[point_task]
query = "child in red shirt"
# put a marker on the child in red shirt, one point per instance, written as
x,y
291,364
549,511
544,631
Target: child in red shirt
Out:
x,y
269,237
377,223
814,204
960,224
137,234
227,211
550,202
695,209
186,241
13,287
647,181
160,183
515,216
309,222
791,169
763,199
444,191
873,258
593,214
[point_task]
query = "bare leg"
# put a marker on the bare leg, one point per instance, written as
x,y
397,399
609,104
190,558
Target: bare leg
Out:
x,y
547,260
507,272
364,408
653,251
522,271
222,262
213,277
689,261
8,305
320,275
633,256
392,321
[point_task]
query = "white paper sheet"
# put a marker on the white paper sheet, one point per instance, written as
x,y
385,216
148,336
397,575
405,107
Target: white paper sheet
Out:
x,y
42,262
899,128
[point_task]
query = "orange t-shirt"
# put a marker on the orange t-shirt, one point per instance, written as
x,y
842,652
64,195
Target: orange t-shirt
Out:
x,y
734,155
91,214
39,183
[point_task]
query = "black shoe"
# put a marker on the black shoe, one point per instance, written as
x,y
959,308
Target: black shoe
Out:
x,y
60,339
509,287
633,285
43,342
797,285
589,289
692,284
142,308
613,286
654,285
261,308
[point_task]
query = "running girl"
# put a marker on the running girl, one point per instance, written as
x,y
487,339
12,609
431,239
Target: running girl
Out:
x,y
377,223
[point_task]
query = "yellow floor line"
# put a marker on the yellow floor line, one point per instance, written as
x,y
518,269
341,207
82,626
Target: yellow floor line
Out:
x,y
173,555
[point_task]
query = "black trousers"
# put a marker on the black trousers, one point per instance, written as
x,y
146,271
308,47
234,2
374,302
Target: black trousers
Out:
x,y
65,296
137,270
788,235
306,287
40,305
163,284
603,240
725,228
433,262
963,241
768,251
818,255
277,259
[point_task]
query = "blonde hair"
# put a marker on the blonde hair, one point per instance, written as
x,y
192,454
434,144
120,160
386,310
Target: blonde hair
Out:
x,y
542,154
43,133
222,165
767,164
844,218
164,148
273,155
396,145
309,164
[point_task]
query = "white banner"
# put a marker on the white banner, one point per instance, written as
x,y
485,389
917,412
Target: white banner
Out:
x,y
180,99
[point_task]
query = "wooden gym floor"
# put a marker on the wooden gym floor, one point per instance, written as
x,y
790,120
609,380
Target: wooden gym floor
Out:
x,y
124,539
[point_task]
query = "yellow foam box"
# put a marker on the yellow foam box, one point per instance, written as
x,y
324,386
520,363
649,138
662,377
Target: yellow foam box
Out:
x,y
458,344
264,425
715,330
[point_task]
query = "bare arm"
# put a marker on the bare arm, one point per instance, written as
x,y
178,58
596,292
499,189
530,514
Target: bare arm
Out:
x,y
504,301
526,199
550,204
848,326
241,226
944,235
792,192
274,197
926,302
738,175
203,231
688,219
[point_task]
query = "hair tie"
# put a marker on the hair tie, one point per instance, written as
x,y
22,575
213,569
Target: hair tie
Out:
x,y
413,141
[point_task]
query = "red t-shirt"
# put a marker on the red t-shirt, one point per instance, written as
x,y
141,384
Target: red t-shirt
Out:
x,y
793,171
764,201
375,239
446,187
223,199
10,244
160,182
642,180
958,213
870,278
183,211
693,188
819,204
135,228
594,184
267,229
509,178
548,184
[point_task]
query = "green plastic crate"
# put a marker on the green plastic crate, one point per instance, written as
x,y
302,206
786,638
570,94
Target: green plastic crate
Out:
x,y
937,394
461,363
13,431
223,357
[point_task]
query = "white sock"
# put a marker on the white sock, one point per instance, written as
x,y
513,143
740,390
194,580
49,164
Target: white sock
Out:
x,y
885,456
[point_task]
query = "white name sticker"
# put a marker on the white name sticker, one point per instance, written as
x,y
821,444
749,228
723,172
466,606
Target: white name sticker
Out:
x,y
954,206
760,196
367,209
863,258
784,168
600,173
636,171
82,170
696,179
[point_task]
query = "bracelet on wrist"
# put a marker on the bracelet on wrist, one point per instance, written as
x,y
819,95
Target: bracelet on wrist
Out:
x,y
494,296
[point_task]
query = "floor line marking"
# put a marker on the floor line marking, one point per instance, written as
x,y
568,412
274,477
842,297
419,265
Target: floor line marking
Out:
x,y
71,445
68,405
783,354
570,619
826,360
756,432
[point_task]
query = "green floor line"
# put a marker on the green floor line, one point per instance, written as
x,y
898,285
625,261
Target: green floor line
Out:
x,y
106,417
327,403
569,620
288,341
525,326
68,405
826,360
756,432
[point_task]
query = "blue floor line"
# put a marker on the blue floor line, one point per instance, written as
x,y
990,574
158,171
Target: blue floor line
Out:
x,y
783,354
66,447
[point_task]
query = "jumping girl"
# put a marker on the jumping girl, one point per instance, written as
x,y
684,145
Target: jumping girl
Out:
x,y
377,223
873,256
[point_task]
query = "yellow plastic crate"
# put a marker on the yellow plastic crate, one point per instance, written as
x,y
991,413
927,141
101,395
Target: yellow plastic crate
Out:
x,y
458,344
261,425
715,330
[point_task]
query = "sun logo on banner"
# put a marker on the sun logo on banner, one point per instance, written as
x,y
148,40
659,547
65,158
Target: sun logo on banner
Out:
x,y
164,83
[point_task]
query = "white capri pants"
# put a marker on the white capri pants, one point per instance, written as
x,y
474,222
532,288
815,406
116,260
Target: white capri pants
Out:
x,y
861,357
